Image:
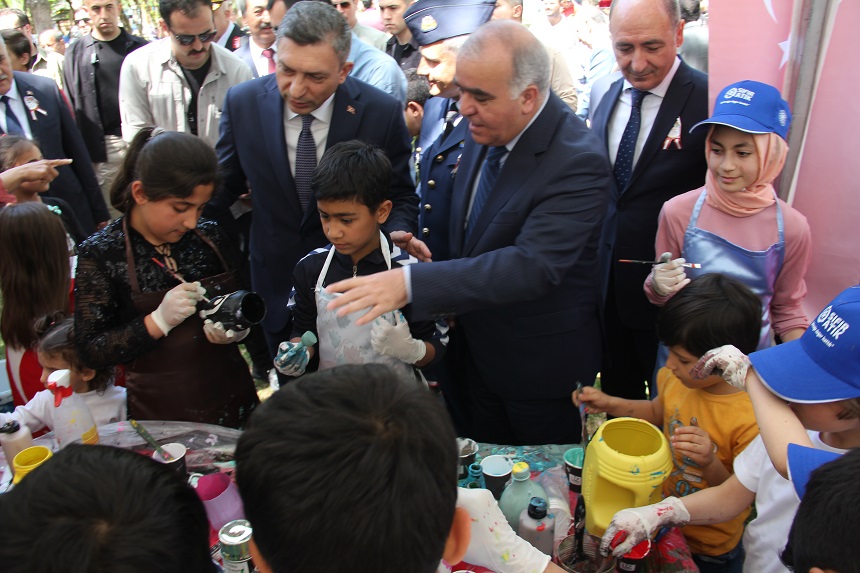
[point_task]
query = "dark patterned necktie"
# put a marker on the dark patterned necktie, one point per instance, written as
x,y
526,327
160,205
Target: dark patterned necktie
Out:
x,y
13,126
627,146
489,174
306,161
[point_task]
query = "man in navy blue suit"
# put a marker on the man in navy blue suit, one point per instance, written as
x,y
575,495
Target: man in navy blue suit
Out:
x,y
33,107
265,127
523,282
666,161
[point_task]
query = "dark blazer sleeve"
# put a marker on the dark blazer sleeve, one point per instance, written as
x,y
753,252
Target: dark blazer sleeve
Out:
x,y
544,235
404,215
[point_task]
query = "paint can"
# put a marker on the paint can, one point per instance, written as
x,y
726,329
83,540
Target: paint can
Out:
x,y
625,466
235,540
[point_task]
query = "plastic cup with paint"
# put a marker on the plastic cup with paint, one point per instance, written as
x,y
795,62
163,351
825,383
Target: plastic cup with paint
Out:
x,y
468,452
497,474
573,459
178,452
220,498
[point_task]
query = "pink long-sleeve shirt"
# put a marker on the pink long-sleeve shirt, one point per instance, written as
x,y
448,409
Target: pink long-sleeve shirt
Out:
x,y
755,233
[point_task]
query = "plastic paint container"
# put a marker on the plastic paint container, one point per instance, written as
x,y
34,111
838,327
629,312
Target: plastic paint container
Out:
x,y
28,460
625,466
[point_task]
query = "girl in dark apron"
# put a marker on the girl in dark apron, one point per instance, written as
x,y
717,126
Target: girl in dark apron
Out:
x,y
141,278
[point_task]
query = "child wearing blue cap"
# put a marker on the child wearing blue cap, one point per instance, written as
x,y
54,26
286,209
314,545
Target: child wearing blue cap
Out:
x,y
804,393
735,224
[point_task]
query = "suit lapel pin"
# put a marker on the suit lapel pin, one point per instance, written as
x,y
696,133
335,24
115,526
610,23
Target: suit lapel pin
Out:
x,y
350,109
32,104
674,135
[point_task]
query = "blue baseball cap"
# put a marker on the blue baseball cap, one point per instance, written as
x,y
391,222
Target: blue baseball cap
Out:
x,y
752,107
432,21
823,365
802,461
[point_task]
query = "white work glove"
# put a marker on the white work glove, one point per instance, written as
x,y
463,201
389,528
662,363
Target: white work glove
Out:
x,y
668,277
640,523
494,544
292,358
726,361
179,303
396,340
216,334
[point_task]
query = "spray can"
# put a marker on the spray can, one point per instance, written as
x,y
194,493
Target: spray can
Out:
x,y
14,438
72,418
235,540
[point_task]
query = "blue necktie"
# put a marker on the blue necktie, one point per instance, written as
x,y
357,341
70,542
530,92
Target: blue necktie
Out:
x,y
306,161
489,174
13,126
627,146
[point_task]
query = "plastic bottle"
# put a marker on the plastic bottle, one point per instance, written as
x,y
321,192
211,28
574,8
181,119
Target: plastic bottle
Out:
x,y
72,418
536,526
14,438
517,495
475,479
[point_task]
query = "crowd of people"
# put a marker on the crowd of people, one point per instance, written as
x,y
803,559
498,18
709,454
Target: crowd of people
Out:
x,y
499,212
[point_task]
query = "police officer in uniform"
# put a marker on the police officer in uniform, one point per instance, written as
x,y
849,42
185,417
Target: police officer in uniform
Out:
x,y
440,27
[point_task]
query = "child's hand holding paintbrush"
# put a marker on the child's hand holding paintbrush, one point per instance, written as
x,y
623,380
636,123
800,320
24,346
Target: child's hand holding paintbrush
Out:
x,y
179,303
668,276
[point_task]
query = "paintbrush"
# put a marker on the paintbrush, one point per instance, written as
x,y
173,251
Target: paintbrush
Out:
x,y
141,431
687,265
174,275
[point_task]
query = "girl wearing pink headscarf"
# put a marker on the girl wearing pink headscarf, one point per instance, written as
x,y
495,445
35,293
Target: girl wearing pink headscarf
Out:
x,y
735,224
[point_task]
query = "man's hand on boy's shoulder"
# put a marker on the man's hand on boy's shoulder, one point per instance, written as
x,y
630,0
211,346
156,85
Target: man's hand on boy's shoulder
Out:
x,y
412,245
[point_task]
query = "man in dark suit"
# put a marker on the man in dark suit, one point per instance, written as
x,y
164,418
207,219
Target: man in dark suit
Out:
x,y
654,158
529,200
263,145
33,107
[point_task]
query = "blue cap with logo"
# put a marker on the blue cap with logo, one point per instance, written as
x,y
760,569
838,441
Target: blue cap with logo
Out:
x,y
432,21
823,365
752,107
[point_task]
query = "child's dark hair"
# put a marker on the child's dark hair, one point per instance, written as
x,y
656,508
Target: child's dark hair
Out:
x,y
100,509
349,449
167,163
11,148
353,170
822,534
57,338
711,311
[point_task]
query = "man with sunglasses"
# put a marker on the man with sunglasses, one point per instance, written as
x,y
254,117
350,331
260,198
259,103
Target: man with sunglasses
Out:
x,y
179,82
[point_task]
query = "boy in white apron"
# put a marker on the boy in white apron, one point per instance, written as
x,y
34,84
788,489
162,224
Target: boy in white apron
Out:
x,y
351,184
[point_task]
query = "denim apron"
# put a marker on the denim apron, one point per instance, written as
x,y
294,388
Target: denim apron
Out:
x,y
758,270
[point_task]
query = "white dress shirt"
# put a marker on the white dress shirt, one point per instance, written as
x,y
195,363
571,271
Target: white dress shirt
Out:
x,y
18,108
319,129
260,61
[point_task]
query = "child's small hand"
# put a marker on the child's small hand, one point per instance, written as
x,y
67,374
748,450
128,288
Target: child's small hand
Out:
x,y
596,402
695,443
